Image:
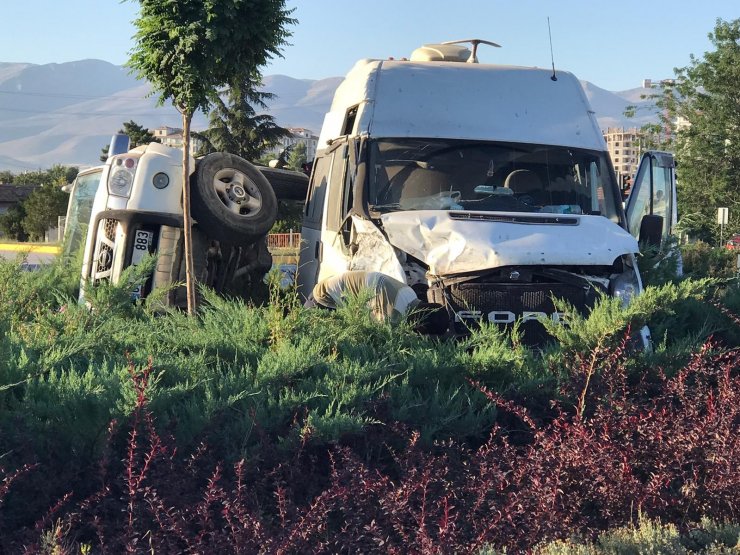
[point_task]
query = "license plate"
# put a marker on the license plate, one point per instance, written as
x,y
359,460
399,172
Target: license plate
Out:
x,y
142,246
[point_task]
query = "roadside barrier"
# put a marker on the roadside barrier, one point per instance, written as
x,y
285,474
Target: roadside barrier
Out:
x,y
283,240
30,247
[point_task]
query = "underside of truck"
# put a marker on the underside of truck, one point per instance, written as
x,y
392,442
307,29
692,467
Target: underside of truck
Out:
x,y
234,206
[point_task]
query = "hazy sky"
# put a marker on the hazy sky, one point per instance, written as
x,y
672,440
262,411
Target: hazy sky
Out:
x,y
613,44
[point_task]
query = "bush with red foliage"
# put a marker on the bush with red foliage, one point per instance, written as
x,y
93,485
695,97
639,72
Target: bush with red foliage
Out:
x,y
664,447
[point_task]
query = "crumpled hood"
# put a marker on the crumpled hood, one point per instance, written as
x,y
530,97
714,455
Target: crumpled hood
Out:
x,y
449,245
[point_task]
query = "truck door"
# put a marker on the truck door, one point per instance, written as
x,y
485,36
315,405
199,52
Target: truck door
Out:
x,y
653,193
324,249
311,250
334,235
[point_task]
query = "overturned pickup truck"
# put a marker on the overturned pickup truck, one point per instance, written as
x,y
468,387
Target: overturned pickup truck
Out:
x,y
133,207
486,188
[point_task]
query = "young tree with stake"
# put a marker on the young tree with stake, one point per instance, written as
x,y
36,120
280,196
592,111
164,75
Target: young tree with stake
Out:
x,y
189,49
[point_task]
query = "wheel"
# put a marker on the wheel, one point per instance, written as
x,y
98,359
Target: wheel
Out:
x,y
287,184
231,199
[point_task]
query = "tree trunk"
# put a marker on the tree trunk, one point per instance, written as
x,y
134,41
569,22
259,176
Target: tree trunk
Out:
x,y
187,221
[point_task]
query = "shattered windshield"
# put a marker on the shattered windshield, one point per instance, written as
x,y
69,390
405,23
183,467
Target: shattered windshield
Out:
x,y
443,174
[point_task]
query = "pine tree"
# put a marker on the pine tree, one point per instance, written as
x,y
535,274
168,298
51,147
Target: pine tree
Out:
x,y
236,127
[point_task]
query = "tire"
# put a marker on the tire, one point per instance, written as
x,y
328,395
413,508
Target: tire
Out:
x,y
287,184
231,200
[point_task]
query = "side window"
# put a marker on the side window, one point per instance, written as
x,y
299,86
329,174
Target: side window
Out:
x,y
348,197
317,192
652,192
639,202
336,189
661,195
349,120
347,204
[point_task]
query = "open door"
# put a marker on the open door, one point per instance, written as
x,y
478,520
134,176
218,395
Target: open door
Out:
x,y
652,209
653,194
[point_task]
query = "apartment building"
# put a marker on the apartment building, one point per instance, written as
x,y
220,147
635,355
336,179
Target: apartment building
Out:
x,y
624,149
297,135
172,137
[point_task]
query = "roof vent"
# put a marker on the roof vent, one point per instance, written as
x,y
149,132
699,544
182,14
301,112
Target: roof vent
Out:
x,y
450,51
440,53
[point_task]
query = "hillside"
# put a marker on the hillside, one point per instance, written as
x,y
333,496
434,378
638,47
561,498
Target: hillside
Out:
x,y
65,113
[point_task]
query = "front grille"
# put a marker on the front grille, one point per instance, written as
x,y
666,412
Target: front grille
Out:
x,y
104,250
109,229
503,303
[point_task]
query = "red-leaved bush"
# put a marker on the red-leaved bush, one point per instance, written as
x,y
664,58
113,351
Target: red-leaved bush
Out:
x,y
664,447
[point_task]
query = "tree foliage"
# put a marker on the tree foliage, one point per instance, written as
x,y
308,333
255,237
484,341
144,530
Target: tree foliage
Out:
x,y
44,205
297,157
39,212
660,134
138,135
11,222
236,127
43,208
55,174
189,49
708,147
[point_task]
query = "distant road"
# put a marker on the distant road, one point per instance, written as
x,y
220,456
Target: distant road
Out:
x,y
37,254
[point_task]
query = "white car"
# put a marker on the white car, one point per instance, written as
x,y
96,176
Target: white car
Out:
x,y
137,210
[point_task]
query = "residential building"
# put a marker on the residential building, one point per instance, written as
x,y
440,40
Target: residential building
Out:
x,y
297,135
172,137
624,149
10,195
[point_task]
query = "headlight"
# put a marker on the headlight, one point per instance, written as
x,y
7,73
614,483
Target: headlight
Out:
x,y
122,176
160,180
625,286
120,182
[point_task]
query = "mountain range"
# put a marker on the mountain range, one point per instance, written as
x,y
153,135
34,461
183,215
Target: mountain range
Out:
x,y
65,113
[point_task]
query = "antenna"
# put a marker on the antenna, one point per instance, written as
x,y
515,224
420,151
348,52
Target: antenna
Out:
x,y
552,56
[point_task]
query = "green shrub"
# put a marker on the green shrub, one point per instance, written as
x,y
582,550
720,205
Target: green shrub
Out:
x,y
650,537
289,370
659,265
240,376
701,260
279,367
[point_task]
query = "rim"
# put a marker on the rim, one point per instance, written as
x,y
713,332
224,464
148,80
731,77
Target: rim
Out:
x,y
239,194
